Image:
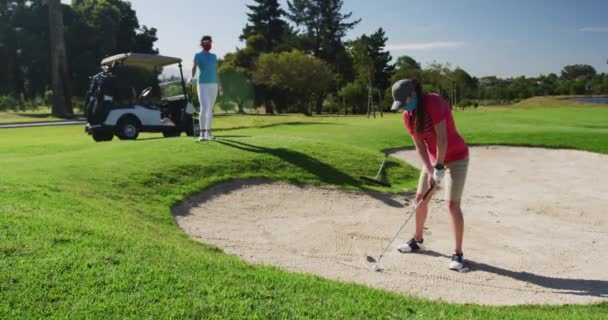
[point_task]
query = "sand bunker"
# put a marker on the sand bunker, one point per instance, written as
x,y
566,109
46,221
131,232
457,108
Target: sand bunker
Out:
x,y
536,230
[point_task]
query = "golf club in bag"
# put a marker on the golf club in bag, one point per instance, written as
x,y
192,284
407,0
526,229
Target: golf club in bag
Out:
x,y
376,180
196,129
371,259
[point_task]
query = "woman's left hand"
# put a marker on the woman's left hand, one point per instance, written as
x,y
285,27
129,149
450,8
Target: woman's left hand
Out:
x,y
438,175
221,91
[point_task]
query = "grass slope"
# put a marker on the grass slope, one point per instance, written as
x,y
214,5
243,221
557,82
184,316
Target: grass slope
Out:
x,y
86,229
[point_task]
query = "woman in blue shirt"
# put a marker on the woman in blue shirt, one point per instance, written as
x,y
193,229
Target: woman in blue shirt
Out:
x,y
208,86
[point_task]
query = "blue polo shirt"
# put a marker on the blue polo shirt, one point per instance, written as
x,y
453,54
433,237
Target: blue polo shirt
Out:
x,y
207,67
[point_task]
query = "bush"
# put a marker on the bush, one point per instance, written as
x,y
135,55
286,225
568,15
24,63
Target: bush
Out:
x,y
78,103
27,104
8,103
48,95
306,78
226,105
331,104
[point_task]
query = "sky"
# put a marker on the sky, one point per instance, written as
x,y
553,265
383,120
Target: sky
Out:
x,y
484,37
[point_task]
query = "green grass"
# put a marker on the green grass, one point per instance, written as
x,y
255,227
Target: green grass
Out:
x,y
86,229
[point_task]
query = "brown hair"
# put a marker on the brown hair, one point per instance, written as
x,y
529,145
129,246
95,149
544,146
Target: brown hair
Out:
x,y
419,114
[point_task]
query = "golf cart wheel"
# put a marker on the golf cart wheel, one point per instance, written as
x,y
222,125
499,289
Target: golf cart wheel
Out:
x,y
127,129
169,133
100,136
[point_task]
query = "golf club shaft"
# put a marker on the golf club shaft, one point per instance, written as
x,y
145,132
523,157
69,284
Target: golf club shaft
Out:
x,y
381,166
406,221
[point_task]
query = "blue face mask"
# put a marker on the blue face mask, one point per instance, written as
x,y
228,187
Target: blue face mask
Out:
x,y
412,105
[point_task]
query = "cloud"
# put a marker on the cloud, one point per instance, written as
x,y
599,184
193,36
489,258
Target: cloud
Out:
x,y
425,45
594,29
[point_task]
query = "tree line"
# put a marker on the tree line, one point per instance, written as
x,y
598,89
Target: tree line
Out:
x,y
92,29
295,59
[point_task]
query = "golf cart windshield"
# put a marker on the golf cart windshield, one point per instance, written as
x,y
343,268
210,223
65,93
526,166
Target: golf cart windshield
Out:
x,y
133,73
172,90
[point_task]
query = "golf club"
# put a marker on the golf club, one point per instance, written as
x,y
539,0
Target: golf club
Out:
x,y
371,259
196,129
195,126
375,180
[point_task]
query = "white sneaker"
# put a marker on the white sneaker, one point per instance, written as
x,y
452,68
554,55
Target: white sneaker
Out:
x,y
457,263
201,138
411,246
210,136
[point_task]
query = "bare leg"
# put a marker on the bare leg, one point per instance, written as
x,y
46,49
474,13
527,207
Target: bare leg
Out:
x,y
421,214
457,224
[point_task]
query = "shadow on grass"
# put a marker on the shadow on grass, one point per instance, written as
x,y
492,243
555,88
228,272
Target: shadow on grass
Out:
x,y
262,126
188,137
35,115
224,136
45,115
323,171
152,138
582,287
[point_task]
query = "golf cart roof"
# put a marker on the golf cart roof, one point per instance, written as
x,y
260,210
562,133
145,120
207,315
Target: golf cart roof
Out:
x,y
144,60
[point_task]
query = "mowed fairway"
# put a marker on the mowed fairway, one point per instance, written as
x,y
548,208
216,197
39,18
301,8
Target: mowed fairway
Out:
x,y
86,229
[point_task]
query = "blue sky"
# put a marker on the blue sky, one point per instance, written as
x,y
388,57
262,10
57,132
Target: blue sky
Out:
x,y
504,38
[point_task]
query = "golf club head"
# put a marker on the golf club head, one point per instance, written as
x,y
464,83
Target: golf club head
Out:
x,y
371,259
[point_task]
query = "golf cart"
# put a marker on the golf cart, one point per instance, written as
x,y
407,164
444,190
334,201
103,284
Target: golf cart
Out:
x,y
126,98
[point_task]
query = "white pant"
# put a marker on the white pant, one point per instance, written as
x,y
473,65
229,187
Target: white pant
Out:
x,y
207,94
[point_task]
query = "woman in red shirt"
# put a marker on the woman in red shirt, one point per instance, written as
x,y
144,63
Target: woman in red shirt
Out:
x,y
428,118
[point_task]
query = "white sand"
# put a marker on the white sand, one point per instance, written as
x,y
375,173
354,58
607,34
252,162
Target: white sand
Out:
x,y
536,230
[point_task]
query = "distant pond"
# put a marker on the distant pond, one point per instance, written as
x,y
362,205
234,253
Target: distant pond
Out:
x,y
590,100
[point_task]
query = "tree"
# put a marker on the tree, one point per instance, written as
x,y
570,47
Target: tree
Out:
x,y
521,88
237,87
465,85
93,29
11,81
546,84
304,77
578,72
265,19
439,76
62,99
24,48
101,28
371,64
364,68
354,94
407,63
321,28
381,60
406,68
245,59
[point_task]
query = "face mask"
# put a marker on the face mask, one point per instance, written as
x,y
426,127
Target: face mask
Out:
x,y
412,105
207,46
